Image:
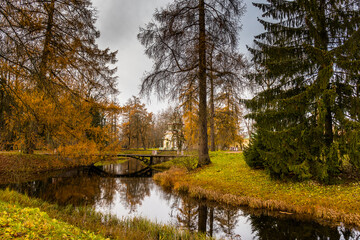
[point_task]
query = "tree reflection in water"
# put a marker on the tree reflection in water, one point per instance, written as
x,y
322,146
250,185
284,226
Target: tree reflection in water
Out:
x,y
198,215
187,215
132,191
226,220
266,227
223,222
75,187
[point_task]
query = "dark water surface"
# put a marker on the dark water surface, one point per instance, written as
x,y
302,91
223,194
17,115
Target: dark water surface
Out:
x,y
139,196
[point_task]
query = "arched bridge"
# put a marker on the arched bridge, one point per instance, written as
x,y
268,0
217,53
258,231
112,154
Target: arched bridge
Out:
x,y
151,159
148,160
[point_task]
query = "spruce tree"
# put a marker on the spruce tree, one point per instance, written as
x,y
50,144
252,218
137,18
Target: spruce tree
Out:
x,y
307,114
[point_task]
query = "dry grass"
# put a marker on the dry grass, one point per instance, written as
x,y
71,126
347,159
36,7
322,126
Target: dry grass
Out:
x,y
229,180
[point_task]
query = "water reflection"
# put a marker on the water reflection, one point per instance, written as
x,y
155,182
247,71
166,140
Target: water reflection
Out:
x,y
187,214
228,223
139,196
265,227
131,168
207,217
227,220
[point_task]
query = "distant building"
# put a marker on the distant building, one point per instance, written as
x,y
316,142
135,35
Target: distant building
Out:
x,y
174,137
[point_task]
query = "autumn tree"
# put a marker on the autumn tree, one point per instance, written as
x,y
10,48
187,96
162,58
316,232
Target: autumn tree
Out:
x,y
7,131
227,126
226,75
227,82
137,124
307,114
49,50
189,103
178,41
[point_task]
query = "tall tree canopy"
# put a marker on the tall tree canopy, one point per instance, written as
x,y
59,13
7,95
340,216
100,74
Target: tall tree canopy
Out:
x,y
307,113
52,43
48,54
179,41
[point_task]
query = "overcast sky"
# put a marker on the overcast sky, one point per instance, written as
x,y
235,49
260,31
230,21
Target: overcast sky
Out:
x,y
119,22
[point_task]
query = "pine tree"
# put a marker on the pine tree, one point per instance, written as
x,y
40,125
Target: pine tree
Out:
x,y
308,70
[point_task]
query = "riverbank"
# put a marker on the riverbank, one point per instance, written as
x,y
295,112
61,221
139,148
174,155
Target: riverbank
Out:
x,y
31,223
15,161
229,180
21,216
40,162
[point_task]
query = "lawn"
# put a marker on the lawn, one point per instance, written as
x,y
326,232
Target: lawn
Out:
x,y
229,180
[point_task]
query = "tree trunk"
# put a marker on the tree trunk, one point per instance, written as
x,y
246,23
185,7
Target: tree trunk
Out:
x,y
211,222
29,137
50,8
143,141
323,44
212,106
204,158
202,218
212,116
329,135
42,84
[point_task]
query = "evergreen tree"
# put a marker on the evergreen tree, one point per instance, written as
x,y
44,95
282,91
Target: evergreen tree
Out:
x,y
306,113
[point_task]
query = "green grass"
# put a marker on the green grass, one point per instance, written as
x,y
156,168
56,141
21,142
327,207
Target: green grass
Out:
x,y
82,220
228,179
31,223
186,162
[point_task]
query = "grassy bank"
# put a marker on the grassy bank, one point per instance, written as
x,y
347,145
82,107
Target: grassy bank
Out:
x,y
18,211
31,223
18,162
229,180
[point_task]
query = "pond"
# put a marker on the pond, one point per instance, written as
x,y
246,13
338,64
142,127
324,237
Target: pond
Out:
x,y
139,196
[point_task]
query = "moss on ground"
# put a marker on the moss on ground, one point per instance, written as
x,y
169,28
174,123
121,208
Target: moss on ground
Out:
x,y
229,180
